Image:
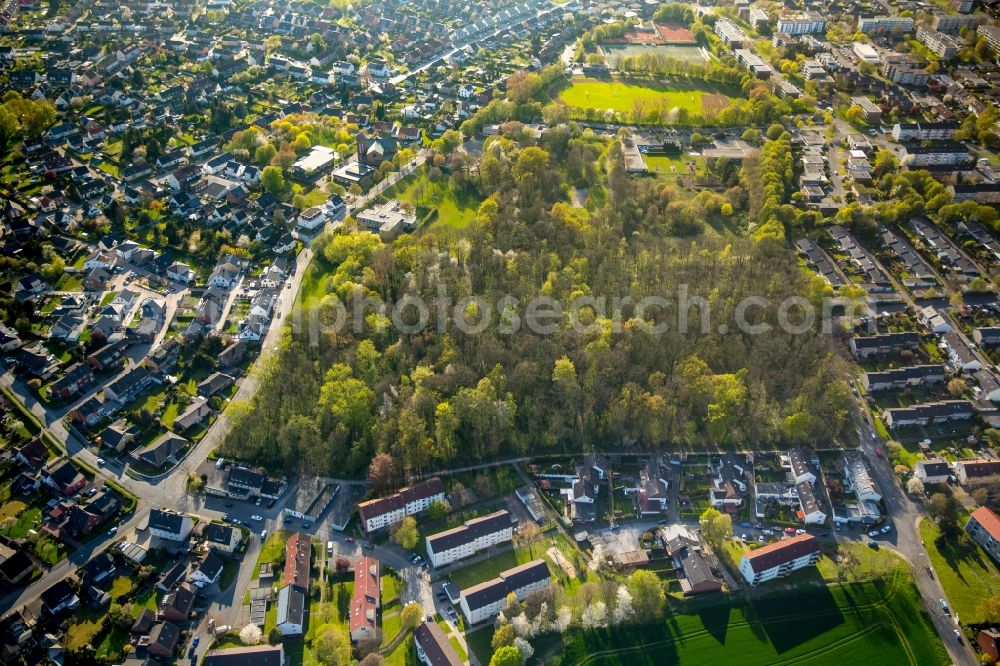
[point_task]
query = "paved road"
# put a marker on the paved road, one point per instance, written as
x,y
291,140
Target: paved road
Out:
x,y
905,539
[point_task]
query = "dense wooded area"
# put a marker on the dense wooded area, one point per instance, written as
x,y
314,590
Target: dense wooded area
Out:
x,y
438,399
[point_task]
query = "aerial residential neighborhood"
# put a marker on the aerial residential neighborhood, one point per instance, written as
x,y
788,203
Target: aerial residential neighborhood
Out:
x,y
499,333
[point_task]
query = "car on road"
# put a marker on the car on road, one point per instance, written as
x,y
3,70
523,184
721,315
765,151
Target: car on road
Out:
x,y
879,453
886,529
113,530
944,607
256,518
958,635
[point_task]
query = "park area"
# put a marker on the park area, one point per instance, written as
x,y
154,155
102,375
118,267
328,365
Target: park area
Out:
x,y
626,97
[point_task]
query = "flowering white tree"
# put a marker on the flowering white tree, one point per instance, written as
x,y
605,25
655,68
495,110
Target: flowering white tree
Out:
x,y
524,647
597,559
522,626
564,618
541,624
623,606
595,615
915,486
250,634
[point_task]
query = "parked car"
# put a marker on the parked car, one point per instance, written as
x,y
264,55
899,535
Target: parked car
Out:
x,y
100,462
789,531
256,518
767,532
329,547
800,531
350,539
873,544
886,529
194,643
263,534
873,533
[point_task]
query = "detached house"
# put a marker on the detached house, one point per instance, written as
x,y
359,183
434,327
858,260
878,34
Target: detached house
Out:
x,y
169,525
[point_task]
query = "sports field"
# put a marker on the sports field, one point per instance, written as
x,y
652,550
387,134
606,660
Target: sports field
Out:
x,y
880,622
622,97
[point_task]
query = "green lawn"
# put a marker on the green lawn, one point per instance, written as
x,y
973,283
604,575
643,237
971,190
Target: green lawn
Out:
x,y
480,643
966,572
491,568
145,600
120,587
623,97
273,550
879,622
455,210
86,623
23,519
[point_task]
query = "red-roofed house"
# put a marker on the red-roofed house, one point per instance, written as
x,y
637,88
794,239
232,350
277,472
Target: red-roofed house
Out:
x,y
298,553
984,527
779,559
365,600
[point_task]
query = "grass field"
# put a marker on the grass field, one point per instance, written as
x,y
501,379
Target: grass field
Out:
x,y
623,97
492,567
966,572
880,622
455,211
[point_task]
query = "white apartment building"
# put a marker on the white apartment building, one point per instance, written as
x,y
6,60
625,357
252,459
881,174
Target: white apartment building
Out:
x,y
801,24
730,33
466,540
939,131
779,559
938,43
948,154
482,602
384,511
884,24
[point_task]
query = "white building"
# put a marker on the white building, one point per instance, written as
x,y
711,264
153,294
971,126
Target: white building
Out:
x,y
482,602
291,610
779,559
801,24
466,540
169,525
384,511
865,53
885,24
